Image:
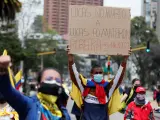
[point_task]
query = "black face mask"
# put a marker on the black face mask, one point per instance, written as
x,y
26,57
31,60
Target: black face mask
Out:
x,y
2,100
135,87
51,89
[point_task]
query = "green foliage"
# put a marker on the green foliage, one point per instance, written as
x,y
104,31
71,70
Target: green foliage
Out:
x,y
59,60
144,62
37,24
12,44
8,9
140,34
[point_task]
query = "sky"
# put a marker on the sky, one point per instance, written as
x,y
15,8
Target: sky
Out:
x,y
135,5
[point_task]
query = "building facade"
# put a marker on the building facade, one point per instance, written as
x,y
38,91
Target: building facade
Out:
x,y
56,13
158,20
151,12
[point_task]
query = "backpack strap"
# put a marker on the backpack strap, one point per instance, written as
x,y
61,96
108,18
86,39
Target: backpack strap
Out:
x,y
130,95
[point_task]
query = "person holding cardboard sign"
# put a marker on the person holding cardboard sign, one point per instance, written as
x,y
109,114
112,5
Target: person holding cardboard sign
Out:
x,y
92,96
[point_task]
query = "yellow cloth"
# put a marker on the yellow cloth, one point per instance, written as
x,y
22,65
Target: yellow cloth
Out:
x,y
115,102
5,113
9,70
18,76
76,95
84,80
48,102
123,104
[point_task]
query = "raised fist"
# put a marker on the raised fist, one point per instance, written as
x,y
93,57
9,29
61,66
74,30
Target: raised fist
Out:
x,y
5,61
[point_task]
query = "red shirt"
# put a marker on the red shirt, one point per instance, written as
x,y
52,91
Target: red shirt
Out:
x,y
135,112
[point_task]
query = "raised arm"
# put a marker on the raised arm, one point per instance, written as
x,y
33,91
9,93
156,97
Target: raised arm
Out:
x,y
70,63
18,101
118,78
74,74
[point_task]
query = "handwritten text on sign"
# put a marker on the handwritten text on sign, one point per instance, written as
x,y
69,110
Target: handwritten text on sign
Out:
x,y
99,30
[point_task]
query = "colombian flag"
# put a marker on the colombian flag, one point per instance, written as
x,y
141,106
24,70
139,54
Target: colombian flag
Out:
x,y
15,81
115,102
76,92
79,82
9,71
18,78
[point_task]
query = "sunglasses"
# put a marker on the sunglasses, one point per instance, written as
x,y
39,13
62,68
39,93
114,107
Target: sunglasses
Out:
x,y
98,73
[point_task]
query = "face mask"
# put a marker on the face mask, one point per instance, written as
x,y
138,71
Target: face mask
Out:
x,y
136,86
140,96
51,88
98,78
140,99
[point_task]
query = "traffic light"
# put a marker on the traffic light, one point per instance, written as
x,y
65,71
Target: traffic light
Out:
x,y
148,47
109,66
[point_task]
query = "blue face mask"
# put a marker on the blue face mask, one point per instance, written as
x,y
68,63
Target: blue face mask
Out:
x,y
98,78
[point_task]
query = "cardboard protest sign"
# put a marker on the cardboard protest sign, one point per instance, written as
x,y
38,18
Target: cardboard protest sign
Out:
x,y
99,30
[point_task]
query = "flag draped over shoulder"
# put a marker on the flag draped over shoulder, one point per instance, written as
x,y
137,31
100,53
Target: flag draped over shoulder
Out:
x,y
76,93
79,83
115,102
15,81
113,105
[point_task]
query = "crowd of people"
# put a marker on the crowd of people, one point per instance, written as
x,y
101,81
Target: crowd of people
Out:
x,y
91,96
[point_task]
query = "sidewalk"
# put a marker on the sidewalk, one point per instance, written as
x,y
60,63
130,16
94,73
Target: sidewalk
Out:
x,y
149,96
154,104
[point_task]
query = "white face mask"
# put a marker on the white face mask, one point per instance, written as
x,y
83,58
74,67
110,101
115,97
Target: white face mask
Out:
x,y
98,78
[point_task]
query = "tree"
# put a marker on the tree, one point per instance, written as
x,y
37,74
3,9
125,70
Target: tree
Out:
x,y
140,34
37,24
11,42
59,60
144,62
8,9
25,17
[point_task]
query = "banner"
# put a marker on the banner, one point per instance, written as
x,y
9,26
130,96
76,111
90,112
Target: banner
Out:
x,y
99,30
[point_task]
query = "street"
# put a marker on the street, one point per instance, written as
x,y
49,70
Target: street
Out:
x,y
118,116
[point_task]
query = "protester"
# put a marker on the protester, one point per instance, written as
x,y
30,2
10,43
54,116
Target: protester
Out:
x,y
139,109
157,97
96,92
6,111
129,94
48,104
